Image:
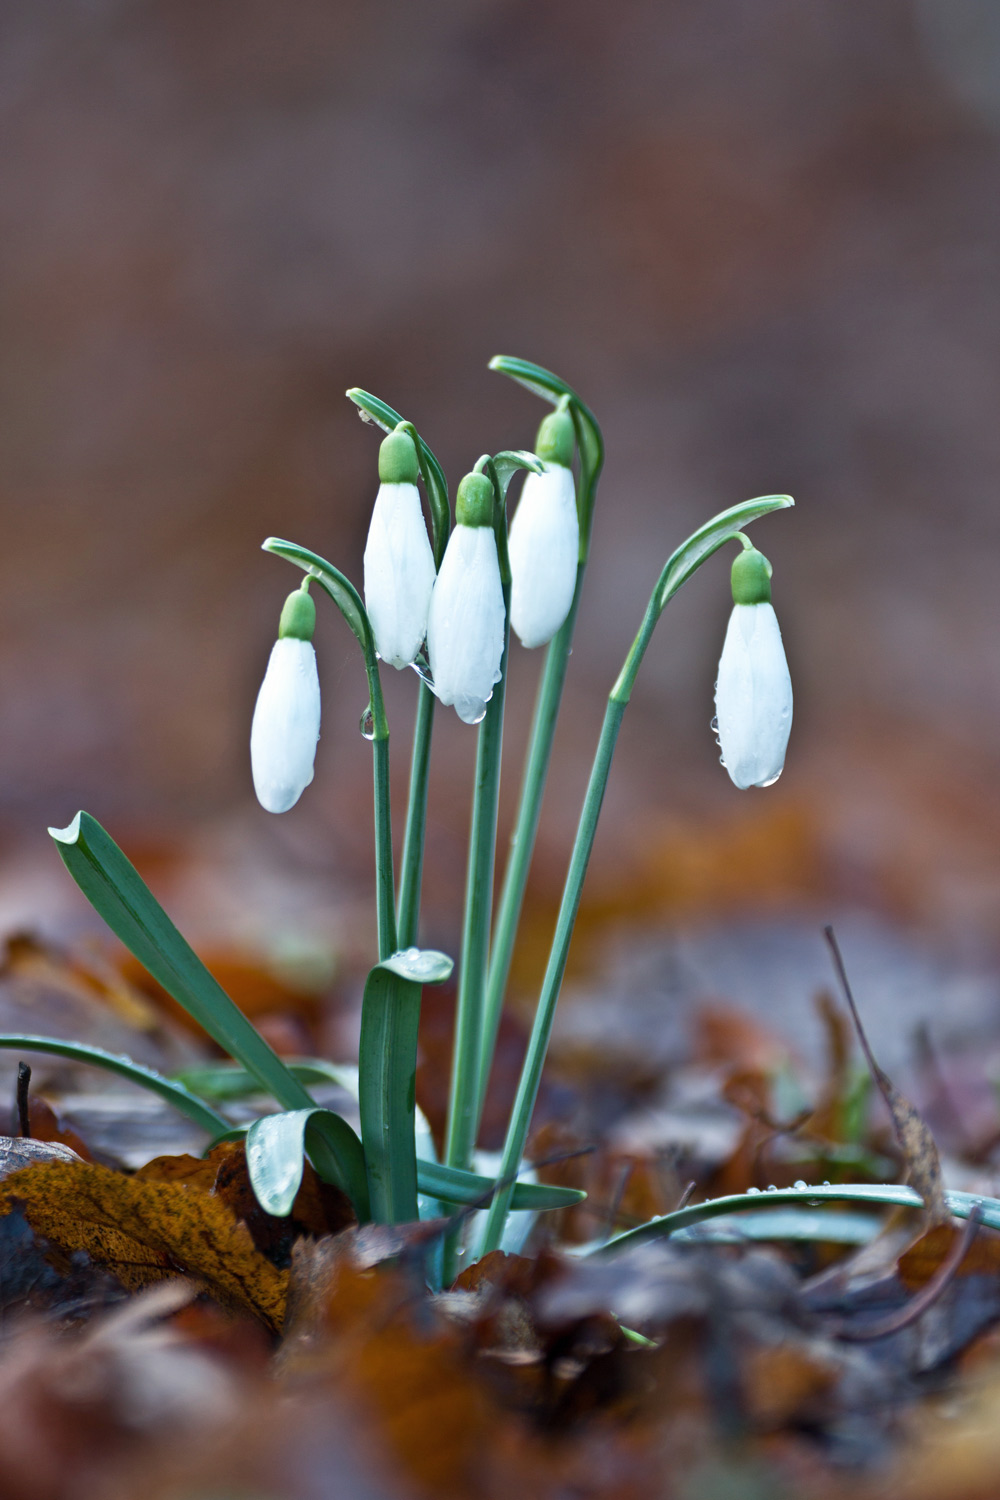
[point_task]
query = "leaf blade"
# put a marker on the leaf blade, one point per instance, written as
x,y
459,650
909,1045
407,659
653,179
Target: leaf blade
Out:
x,y
117,892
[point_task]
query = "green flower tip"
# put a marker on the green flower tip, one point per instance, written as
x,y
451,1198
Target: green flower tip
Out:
x,y
474,501
556,438
397,458
751,578
298,617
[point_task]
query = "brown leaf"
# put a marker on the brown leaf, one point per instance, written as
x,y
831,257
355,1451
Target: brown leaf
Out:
x,y
319,1208
144,1231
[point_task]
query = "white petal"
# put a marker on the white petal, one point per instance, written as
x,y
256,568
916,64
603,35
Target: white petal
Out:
x,y
544,543
753,697
399,573
465,626
285,725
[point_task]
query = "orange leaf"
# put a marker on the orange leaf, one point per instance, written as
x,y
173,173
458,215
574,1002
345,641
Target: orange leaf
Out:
x,y
145,1230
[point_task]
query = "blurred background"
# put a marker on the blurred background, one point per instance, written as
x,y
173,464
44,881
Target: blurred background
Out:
x,y
761,238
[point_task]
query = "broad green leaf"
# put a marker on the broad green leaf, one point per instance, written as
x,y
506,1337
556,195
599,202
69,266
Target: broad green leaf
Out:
x,y
420,965
709,538
453,1185
117,892
224,1080
374,410
811,1225
172,1090
889,1195
276,1148
550,387
277,1145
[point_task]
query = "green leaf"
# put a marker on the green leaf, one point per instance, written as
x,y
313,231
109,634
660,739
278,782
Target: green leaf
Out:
x,y
811,1225
506,465
431,472
174,1092
387,1072
709,538
117,892
420,965
889,1195
453,1185
230,1081
276,1148
550,387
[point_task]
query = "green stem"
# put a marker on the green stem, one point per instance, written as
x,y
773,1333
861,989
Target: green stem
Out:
x,y
385,896
460,1137
522,841
531,1073
390,1019
411,873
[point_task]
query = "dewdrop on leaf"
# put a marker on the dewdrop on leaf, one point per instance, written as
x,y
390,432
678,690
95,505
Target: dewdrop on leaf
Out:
x,y
285,728
399,564
753,693
544,540
465,627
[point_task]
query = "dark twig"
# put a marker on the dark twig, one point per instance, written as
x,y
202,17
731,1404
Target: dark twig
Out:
x,y
21,1099
943,1277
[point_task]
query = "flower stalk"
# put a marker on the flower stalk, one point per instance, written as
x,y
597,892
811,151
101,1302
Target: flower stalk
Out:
x,y
681,566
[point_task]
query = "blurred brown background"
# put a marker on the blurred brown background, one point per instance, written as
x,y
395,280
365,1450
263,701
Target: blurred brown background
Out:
x,y
760,236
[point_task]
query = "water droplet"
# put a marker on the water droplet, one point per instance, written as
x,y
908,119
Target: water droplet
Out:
x,y
800,1184
714,726
772,1188
826,1183
423,671
753,1190
367,725
772,780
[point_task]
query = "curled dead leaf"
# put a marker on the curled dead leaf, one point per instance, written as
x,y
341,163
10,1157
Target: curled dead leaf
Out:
x,y
145,1230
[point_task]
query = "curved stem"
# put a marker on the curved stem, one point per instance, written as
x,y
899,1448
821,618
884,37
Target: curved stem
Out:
x,y
522,840
411,872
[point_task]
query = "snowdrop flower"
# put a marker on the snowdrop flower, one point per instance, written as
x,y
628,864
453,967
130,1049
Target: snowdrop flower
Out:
x,y
544,539
399,564
753,694
465,628
285,727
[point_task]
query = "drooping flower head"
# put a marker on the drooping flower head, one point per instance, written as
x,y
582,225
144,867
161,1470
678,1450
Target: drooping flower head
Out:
x,y
465,627
285,729
753,693
544,539
399,563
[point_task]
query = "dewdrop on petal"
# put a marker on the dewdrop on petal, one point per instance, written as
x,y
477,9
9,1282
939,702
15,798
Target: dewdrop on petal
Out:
x,y
753,694
399,563
544,540
465,627
285,728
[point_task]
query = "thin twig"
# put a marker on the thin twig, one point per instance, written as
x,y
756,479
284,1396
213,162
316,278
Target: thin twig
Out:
x,y
21,1098
928,1294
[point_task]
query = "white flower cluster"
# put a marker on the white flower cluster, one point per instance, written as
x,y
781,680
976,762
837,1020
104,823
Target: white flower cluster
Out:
x,y
459,613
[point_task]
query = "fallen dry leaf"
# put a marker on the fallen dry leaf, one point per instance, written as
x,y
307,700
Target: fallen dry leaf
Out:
x,y
144,1230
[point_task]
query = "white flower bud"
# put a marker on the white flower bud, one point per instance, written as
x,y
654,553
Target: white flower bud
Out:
x,y
753,697
465,628
544,543
399,573
285,727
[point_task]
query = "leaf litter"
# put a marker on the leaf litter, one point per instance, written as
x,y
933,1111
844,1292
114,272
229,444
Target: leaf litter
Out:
x,y
161,1334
